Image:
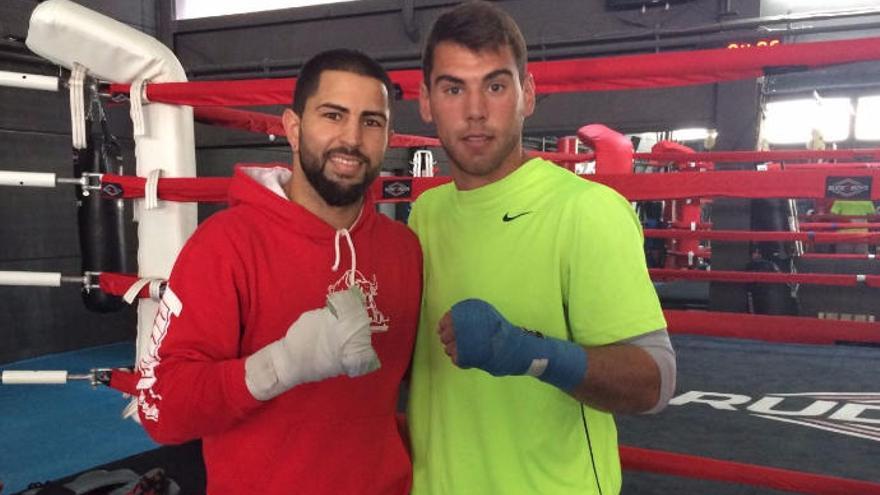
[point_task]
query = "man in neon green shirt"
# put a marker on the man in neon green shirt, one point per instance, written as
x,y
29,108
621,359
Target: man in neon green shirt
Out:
x,y
538,318
853,209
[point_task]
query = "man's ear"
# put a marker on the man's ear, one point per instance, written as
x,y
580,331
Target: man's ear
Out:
x,y
291,123
425,104
529,95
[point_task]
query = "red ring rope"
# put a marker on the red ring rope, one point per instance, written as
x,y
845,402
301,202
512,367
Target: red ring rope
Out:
x,y
764,236
690,466
839,280
638,187
668,69
791,329
767,328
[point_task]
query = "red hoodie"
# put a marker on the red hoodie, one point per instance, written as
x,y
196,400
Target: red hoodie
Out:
x,y
243,278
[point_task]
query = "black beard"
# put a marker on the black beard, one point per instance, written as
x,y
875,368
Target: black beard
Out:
x,y
333,193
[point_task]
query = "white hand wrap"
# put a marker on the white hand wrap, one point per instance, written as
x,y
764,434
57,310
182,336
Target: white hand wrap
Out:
x,y
321,343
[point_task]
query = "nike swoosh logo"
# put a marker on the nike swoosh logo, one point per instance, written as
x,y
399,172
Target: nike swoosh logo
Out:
x,y
507,217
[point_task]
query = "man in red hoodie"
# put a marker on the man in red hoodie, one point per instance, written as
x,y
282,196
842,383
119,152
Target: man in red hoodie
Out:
x,y
289,318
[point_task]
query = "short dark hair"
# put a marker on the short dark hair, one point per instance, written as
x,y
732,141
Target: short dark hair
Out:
x,y
339,59
477,25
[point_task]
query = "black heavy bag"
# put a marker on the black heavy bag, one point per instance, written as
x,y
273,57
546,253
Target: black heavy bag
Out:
x,y
769,299
102,238
772,256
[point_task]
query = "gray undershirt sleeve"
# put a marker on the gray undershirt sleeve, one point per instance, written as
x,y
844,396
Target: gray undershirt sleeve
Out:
x,y
659,347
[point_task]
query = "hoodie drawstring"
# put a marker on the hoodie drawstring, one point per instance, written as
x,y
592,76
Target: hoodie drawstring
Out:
x,y
351,273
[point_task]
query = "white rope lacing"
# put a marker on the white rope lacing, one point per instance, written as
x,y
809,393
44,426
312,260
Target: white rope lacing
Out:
x,y
77,105
135,289
131,410
423,164
137,98
151,189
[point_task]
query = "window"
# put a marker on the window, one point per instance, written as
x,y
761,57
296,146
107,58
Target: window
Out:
x,y
786,7
643,142
792,122
692,134
868,118
194,9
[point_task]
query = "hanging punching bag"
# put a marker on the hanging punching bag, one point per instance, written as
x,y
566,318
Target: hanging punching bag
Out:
x,y
101,222
773,256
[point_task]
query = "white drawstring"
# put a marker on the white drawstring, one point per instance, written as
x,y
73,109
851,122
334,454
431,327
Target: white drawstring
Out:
x,y
350,275
350,280
378,321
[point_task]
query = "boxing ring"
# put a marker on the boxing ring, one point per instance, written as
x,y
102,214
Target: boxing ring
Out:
x,y
767,402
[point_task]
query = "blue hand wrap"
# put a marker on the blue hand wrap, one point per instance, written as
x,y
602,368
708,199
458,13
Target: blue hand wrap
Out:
x,y
486,340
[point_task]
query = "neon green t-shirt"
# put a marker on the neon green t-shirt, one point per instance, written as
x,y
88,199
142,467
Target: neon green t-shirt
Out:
x,y
852,208
554,253
849,207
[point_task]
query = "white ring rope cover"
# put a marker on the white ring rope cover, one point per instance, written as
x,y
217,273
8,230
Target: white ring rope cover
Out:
x,y
27,179
28,81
